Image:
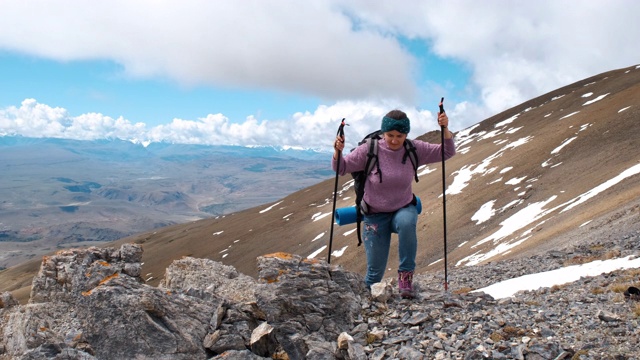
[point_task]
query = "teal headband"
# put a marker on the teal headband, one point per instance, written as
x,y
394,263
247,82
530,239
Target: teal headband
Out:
x,y
402,125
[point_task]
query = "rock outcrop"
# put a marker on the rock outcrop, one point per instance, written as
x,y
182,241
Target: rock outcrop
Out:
x,y
92,303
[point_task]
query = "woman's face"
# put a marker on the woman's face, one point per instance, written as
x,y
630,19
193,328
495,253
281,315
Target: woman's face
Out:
x,y
395,139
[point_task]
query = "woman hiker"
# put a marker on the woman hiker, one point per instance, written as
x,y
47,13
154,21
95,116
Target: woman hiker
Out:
x,y
390,203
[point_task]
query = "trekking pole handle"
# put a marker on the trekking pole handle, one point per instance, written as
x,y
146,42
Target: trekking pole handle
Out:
x,y
341,128
441,106
340,134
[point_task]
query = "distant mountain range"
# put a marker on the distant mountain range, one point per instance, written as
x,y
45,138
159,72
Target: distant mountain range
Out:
x,y
58,192
546,173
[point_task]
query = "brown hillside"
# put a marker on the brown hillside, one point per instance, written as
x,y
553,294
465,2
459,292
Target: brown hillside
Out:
x,y
559,150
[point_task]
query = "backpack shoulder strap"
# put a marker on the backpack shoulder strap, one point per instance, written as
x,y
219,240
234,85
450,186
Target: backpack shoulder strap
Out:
x,y
411,152
372,157
372,161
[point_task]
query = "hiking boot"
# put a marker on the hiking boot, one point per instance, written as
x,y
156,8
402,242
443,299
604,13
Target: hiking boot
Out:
x,y
405,284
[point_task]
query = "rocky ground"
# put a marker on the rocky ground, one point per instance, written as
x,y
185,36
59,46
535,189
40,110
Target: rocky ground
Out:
x,y
93,304
586,319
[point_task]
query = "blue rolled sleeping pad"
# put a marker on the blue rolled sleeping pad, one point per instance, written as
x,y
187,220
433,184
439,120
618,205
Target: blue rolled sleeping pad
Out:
x,y
347,215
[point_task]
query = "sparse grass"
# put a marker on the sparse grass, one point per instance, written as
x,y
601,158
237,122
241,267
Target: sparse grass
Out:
x,y
556,288
619,287
618,298
496,337
463,290
371,338
506,333
611,254
623,280
635,273
579,353
311,261
597,290
636,310
513,331
579,260
281,255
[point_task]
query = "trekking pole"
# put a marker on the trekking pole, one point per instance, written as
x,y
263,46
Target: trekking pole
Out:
x,y
444,199
335,191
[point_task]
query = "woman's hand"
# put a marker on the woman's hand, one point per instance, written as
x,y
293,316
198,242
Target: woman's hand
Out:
x,y
443,121
338,146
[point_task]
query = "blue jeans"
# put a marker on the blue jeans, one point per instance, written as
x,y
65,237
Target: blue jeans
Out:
x,y
377,229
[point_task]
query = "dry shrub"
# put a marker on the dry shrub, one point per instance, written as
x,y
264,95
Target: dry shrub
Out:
x,y
618,298
597,290
496,337
611,254
579,260
619,287
556,288
513,331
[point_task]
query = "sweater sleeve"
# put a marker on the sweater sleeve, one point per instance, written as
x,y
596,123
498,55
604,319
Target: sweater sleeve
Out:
x,y
354,161
429,153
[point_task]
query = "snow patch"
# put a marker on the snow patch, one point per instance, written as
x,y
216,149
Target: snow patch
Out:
x,y
340,252
270,207
317,252
566,116
485,213
596,99
560,276
564,143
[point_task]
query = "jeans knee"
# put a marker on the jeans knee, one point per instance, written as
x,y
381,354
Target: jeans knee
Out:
x,y
406,219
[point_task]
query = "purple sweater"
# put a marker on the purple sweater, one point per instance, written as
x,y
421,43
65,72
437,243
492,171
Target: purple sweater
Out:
x,y
394,192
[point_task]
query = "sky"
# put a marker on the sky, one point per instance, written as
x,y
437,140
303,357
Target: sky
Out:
x,y
285,72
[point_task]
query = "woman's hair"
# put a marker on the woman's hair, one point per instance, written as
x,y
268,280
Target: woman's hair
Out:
x,y
396,114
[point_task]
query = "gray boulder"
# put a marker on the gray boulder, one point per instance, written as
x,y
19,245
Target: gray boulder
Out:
x,y
93,304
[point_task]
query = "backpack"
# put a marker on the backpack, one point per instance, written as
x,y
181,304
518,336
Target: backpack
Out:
x,y
360,177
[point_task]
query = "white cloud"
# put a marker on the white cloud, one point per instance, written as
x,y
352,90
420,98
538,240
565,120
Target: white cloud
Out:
x,y
307,130
33,119
345,53
287,45
518,50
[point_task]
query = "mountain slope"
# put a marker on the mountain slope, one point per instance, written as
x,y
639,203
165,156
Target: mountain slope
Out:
x,y
550,171
544,180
